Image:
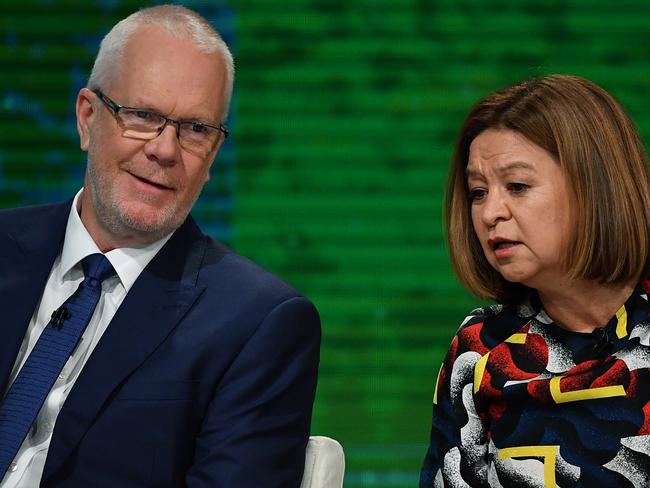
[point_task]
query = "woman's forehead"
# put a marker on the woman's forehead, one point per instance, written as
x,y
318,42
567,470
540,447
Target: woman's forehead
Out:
x,y
503,151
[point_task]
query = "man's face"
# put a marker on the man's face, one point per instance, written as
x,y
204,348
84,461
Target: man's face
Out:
x,y
137,191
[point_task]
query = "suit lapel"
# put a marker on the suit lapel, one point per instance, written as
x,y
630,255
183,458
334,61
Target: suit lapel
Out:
x,y
158,300
26,258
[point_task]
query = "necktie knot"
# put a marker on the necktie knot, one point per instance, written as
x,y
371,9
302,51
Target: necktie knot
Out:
x,y
96,268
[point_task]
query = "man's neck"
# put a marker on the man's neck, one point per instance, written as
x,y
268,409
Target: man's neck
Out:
x,y
107,240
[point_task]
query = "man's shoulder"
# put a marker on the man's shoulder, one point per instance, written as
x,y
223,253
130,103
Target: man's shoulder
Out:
x,y
235,286
242,274
26,215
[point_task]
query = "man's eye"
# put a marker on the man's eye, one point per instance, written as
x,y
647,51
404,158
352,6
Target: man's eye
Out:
x,y
199,128
143,114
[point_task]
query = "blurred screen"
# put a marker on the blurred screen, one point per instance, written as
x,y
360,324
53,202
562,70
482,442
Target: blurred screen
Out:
x,y
343,122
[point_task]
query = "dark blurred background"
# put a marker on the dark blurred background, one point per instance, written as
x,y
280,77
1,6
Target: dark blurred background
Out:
x,y
344,118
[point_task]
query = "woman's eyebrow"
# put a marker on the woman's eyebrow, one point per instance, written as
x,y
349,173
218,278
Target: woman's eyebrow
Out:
x,y
506,168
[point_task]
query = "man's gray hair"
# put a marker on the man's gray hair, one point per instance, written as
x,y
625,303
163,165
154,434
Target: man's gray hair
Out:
x,y
178,21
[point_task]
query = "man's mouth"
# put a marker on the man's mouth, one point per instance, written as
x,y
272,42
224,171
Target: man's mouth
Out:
x,y
155,184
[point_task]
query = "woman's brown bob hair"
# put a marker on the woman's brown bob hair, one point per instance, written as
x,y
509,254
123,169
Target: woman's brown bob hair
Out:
x,y
596,144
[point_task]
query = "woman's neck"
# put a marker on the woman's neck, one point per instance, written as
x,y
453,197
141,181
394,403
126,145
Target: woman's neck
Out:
x,y
582,306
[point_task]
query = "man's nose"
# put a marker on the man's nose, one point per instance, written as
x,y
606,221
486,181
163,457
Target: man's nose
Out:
x,y
165,148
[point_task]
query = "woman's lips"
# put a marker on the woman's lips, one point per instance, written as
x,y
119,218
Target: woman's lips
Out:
x,y
503,248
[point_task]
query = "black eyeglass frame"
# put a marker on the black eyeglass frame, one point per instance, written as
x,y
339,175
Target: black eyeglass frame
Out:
x,y
116,107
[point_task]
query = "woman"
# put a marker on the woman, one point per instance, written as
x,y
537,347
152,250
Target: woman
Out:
x,y
547,213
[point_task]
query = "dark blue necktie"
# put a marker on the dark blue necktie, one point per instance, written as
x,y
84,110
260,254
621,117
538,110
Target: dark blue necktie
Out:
x,y
24,399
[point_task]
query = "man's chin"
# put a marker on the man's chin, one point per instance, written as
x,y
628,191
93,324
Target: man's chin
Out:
x,y
147,222
144,225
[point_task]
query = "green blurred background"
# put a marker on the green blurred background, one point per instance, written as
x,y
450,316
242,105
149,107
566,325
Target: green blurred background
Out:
x,y
344,117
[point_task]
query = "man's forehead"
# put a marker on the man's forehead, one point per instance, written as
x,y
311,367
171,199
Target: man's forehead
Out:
x,y
154,50
171,75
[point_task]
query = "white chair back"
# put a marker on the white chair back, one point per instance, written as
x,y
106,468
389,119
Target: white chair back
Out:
x,y
324,464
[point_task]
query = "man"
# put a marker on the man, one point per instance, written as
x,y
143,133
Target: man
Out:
x,y
197,368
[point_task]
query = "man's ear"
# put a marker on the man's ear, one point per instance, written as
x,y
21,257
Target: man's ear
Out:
x,y
85,109
214,155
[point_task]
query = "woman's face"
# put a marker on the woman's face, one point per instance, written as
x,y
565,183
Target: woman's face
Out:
x,y
520,204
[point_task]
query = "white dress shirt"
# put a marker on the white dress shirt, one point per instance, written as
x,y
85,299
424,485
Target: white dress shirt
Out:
x,y
65,276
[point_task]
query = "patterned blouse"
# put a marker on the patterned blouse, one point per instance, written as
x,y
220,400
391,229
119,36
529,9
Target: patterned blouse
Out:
x,y
522,402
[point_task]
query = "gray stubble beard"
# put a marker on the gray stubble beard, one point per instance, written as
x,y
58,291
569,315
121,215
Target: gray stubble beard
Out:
x,y
113,217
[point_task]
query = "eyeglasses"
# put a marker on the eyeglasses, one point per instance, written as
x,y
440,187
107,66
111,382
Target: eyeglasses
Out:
x,y
138,123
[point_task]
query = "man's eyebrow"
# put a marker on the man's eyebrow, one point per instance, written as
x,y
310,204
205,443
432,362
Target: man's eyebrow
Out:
x,y
144,107
201,119
506,168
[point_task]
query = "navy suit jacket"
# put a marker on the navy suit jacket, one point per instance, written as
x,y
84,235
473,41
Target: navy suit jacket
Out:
x,y
205,376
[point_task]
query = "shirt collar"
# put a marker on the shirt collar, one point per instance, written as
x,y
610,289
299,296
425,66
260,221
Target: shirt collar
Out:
x,y
128,262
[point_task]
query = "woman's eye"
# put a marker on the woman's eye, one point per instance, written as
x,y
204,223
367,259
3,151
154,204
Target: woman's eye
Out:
x,y
518,187
477,194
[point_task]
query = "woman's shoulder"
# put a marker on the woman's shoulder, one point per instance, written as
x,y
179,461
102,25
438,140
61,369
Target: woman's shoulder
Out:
x,y
644,284
490,325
